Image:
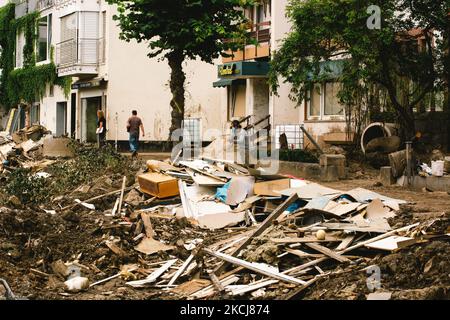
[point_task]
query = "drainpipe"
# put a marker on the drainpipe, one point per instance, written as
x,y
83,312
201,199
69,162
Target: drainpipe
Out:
x,y
117,129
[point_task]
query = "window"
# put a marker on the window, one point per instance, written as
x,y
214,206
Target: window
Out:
x,y
315,101
20,42
191,129
35,112
293,134
44,38
323,102
332,105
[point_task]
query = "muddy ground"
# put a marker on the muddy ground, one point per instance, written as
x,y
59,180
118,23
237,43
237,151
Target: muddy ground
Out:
x,y
31,240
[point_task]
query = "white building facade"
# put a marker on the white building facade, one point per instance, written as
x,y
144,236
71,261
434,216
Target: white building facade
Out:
x,y
109,74
246,94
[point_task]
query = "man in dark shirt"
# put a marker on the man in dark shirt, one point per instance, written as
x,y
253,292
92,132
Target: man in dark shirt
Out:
x,y
133,126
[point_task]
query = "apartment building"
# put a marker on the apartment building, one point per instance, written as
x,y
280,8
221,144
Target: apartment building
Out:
x,y
242,80
109,74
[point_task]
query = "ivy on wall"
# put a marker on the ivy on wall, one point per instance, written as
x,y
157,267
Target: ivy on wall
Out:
x,y
27,84
7,47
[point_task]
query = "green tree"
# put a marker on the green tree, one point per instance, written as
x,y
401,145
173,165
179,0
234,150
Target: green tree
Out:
x,y
388,57
177,30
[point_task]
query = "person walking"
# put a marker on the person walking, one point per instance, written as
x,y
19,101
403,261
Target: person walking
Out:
x,y
133,126
101,128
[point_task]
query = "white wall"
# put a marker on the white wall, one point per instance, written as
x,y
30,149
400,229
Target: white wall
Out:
x,y
137,82
283,110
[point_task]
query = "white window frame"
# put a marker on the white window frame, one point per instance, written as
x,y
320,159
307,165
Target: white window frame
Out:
x,y
47,60
193,123
19,50
321,116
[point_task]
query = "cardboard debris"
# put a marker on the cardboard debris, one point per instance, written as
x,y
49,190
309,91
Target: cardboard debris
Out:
x,y
158,185
150,246
310,190
283,233
391,243
271,188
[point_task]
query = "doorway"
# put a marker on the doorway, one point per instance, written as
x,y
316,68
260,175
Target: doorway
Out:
x,y
61,119
89,107
73,113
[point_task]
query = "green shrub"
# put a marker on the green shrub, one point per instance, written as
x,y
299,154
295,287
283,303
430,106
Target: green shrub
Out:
x,y
298,155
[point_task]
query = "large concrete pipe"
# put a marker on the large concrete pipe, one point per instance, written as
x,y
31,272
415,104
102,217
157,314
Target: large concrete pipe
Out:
x,y
377,130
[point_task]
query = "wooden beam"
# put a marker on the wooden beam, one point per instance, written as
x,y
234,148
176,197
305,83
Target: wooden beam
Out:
x,y
181,270
345,243
154,276
262,227
356,246
253,267
216,282
95,198
147,225
119,210
327,252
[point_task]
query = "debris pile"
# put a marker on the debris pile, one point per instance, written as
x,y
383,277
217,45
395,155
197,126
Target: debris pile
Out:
x,y
110,228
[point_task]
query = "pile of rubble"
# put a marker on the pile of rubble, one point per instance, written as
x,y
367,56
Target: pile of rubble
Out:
x,y
204,229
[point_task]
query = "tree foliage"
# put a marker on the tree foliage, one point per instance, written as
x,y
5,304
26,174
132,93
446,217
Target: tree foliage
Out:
x,y
180,29
388,58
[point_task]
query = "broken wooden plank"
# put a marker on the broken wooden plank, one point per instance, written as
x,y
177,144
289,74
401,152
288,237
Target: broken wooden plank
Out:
x,y
153,276
182,268
116,249
345,242
253,267
39,273
122,191
262,227
96,198
147,225
253,287
209,290
301,240
303,254
216,282
356,246
327,252
392,243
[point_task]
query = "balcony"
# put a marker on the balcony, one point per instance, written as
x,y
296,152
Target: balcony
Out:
x,y
260,33
45,4
64,7
79,57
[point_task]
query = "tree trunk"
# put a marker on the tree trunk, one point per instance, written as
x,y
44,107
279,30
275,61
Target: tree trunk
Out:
x,y
177,78
404,112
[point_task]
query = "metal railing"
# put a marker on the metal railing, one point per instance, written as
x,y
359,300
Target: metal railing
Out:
x,y
60,3
76,52
45,4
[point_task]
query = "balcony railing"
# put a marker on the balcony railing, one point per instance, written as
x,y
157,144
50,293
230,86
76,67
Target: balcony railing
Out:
x,y
259,33
80,52
45,4
64,2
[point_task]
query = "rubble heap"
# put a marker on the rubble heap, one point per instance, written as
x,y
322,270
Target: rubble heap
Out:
x,y
205,229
